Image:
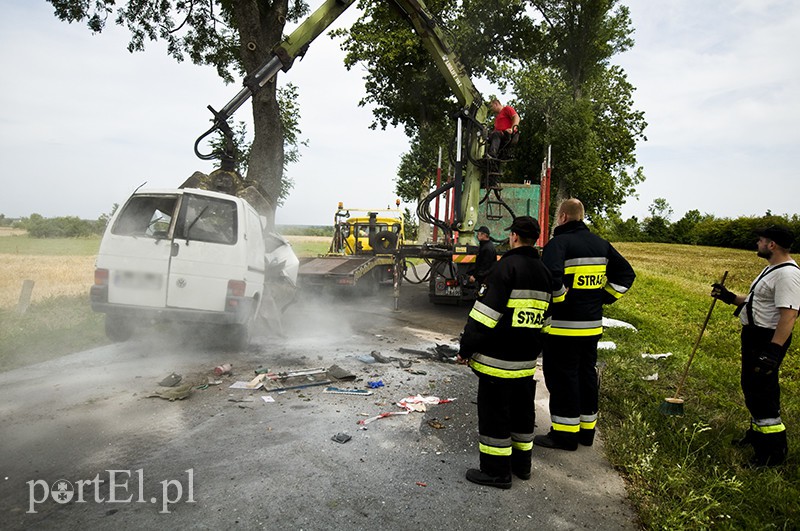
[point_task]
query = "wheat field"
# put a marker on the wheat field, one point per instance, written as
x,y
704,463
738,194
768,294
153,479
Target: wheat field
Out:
x,y
53,276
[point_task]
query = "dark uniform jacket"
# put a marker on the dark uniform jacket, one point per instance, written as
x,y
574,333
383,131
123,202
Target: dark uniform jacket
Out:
x,y
484,262
588,273
501,337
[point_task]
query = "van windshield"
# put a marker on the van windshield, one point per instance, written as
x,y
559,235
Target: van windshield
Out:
x,y
207,219
146,216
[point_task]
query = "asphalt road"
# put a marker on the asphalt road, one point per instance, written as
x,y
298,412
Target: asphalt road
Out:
x,y
84,446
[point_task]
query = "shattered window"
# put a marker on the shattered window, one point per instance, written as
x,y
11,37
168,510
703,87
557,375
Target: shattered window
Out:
x,y
147,216
207,219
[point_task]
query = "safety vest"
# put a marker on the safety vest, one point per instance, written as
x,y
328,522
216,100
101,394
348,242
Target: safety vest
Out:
x,y
501,336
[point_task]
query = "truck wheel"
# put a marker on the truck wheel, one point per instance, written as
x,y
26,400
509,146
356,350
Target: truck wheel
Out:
x,y
118,329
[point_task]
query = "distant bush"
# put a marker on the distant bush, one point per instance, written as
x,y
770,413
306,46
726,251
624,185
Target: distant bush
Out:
x,y
693,229
306,230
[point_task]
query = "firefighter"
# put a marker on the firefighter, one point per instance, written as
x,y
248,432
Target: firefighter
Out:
x,y
768,313
501,342
486,259
588,273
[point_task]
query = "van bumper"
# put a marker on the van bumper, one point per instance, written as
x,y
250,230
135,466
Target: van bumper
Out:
x,y
243,312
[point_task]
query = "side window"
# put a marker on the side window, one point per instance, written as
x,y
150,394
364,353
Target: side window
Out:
x,y
207,219
147,216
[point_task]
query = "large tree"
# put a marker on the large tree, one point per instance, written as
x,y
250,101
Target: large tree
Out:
x,y
576,101
233,36
403,83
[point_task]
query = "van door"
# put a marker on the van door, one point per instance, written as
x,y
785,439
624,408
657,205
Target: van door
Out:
x,y
206,253
136,250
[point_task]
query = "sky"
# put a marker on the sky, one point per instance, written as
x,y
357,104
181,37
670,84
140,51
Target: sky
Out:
x,y
83,122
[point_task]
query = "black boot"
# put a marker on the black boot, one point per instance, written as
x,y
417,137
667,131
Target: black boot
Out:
x,y
586,437
556,440
482,478
745,441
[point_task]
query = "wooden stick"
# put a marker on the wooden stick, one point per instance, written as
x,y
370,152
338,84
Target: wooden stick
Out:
x,y
696,343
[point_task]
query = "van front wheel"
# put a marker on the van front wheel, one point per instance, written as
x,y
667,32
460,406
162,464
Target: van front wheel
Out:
x,y
118,329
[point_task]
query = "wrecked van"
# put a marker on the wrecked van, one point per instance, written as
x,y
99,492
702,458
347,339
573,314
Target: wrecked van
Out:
x,y
185,256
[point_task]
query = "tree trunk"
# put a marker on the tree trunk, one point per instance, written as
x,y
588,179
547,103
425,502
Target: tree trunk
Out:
x,y
260,27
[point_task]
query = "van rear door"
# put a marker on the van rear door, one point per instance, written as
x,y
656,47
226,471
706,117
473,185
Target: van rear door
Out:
x,y
205,253
136,250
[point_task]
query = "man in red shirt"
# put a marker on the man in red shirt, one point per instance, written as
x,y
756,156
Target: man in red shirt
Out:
x,y
506,123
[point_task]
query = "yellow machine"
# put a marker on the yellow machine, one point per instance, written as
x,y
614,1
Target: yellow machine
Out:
x,y
363,251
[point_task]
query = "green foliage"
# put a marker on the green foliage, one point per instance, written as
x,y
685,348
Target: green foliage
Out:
x,y
692,228
60,227
572,99
682,472
410,225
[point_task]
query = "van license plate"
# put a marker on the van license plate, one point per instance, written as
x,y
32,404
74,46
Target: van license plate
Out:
x,y
136,280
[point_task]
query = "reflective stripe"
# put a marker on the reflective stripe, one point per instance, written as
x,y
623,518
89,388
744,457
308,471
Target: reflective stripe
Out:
x,y
567,424
560,294
527,303
493,441
493,450
588,425
585,261
529,294
521,437
587,276
485,315
575,328
566,427
504,364
573,270
589,418
768,425
498,372
615,289
524,446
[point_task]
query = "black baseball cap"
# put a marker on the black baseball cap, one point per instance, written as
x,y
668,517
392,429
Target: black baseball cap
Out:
x,y
484,229
779,234
525,226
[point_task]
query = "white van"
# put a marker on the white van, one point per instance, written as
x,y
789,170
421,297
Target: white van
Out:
x,y
182,255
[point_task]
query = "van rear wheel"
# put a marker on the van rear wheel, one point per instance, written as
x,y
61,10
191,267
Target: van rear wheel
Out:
x,y
118,329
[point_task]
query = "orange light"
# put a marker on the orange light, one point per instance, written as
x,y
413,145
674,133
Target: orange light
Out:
x,y
101,277
236,288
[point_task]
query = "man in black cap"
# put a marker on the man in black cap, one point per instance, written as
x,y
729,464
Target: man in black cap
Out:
x,y
768,313
487,257
588,273
501,342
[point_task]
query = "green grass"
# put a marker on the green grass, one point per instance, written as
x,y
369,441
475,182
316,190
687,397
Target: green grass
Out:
x,y
682,471
49,246
47,330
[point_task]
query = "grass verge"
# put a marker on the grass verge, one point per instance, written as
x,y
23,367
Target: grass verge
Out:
x,y
683,472
49,329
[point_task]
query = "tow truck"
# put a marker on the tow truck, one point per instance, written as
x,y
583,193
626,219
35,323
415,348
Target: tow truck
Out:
x,y
475,193
362,253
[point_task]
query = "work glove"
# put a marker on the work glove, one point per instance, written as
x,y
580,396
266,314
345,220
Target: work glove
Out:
x,y
720,292
768,359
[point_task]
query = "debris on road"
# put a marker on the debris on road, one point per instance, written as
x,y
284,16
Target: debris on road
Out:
x,y
650,378
173,393
364,422
334,371
267,398
341,438
339,391
419,403
171,381
606,345
375,384
435,424
225,368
